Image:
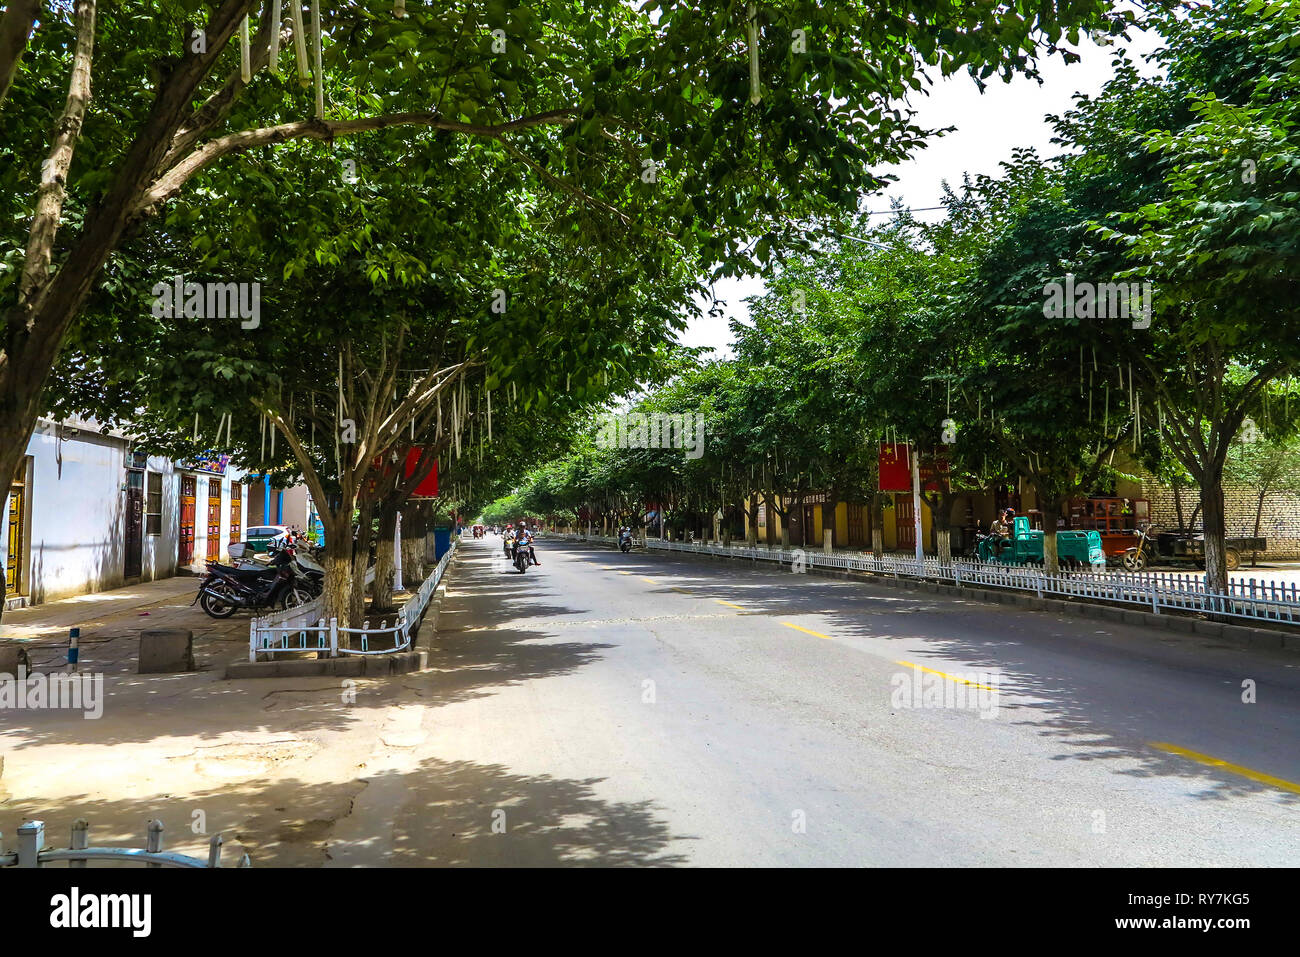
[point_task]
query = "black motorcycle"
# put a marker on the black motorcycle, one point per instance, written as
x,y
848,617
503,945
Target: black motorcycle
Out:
x,y
625,541
225,590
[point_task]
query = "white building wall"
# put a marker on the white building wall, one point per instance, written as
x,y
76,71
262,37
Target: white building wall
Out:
x,y
75,523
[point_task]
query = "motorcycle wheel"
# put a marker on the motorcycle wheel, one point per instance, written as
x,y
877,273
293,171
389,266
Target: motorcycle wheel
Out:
x,y
1134,560
216,607
295,596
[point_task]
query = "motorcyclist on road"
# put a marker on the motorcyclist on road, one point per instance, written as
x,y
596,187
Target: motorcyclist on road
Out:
x,y
524,539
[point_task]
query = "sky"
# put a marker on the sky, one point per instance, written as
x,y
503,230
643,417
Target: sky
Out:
x,y
988,127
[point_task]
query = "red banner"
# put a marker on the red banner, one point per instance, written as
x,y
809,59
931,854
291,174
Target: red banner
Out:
x,y
426,489
895,469
429,487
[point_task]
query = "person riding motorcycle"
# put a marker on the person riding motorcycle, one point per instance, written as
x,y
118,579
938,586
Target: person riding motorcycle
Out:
x,y
524,539
508,539
1001,529
625,538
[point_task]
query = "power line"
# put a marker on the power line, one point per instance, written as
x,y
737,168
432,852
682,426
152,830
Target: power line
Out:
x,y
905,209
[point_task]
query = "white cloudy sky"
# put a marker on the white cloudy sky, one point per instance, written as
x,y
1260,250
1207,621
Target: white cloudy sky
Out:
x,y
988,127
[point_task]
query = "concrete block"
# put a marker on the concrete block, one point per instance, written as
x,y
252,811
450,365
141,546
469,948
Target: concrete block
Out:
x,y
166,651
1135,617
1213,628
1112,614
11,656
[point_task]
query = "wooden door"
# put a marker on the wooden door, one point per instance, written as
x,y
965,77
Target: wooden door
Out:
x,y
189,494
214,519
134,521
810,526
857,536
14,578
236,504
905,517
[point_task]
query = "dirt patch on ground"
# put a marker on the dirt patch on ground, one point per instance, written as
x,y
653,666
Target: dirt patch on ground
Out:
x,y
245,761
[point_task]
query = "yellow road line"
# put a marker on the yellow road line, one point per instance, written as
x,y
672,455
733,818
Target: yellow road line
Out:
x,y
650,580
624,573
682,590
729,604
809,631
1213,762
974,684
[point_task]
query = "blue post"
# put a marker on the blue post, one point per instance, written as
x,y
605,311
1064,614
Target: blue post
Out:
x,y
266,501
279,507
74,653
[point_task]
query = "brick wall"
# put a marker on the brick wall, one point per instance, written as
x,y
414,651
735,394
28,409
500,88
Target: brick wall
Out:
x,y
1279,522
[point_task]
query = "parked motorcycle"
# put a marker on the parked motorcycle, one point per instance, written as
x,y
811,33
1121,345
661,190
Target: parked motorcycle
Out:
x,y
226,589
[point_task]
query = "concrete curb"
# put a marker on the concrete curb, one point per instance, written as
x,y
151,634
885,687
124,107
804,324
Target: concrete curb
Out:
x,y
349,666
1245,636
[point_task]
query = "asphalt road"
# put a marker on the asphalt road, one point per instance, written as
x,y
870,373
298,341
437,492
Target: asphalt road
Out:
x,y
685,711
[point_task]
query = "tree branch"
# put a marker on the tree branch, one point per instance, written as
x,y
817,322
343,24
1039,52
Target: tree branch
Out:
x,y
316,129
15,29
54,171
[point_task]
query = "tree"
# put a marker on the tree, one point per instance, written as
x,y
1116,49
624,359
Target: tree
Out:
x,y
579,100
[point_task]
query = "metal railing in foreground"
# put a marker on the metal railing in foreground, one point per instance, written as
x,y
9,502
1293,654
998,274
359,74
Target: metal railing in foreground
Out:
x,y
32,852
303,629
1247,599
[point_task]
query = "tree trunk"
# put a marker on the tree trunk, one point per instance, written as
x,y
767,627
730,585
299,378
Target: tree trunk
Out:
x,y
1051,511
338,568
360,564
771,519
1212,508
381,593
415,526
1259,515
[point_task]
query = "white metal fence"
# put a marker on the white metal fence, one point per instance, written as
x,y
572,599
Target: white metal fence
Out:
x,y
1247,599
304,629
33,853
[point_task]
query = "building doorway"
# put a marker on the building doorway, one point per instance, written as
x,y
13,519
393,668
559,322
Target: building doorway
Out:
x,y
189,494
905,518
134,520
214,519
15,579
857,535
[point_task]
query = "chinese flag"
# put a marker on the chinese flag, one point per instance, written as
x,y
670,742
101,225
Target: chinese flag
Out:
x,y
895,471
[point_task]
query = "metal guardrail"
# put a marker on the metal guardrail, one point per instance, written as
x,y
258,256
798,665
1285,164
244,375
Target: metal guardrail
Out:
x,y
1250,600
32,852
303,629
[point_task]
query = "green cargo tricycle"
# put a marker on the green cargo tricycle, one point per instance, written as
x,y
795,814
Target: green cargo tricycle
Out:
x,y
1075,549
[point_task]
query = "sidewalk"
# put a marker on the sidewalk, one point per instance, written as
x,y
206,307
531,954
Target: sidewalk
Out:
x,y
294,771
111,622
